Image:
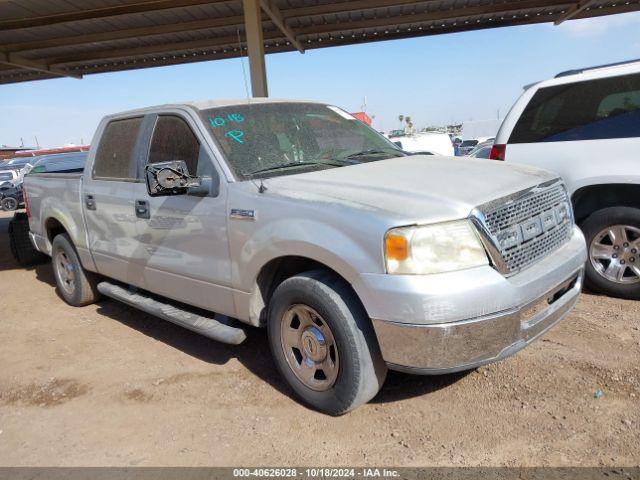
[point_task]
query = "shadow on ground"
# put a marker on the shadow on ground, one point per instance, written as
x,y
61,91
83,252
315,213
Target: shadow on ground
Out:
x,y
255,355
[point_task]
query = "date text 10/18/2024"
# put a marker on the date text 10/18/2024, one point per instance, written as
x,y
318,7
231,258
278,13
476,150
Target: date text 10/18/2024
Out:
x,y
316,472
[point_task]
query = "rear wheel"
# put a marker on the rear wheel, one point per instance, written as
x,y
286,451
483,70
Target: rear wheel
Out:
x,y
75,284
20,244
613,242
323,343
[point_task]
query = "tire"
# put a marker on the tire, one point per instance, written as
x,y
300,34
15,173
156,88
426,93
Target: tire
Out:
x,y
355,368
9,204
608,255
76,286
20,244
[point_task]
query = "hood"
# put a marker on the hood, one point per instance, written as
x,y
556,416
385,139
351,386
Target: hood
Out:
x,y
420,188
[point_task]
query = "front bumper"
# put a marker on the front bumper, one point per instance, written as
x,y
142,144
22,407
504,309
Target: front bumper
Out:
x,y
461,320
452,347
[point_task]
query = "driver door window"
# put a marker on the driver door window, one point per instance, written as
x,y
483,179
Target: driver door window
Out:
x,y
173,139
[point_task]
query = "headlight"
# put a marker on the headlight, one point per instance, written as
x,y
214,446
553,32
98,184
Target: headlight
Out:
x,y
442,247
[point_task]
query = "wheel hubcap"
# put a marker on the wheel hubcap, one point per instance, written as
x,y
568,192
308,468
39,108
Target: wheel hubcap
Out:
x,y
615,254
309,347
65,272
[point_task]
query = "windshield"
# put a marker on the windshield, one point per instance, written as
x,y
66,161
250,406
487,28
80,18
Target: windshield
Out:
x,y
6,176
268,139
469,143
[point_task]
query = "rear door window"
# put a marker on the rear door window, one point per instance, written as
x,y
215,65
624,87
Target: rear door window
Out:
x,y
115,159
589,110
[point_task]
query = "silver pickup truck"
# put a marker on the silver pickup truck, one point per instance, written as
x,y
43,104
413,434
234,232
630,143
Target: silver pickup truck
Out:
x,y
296,217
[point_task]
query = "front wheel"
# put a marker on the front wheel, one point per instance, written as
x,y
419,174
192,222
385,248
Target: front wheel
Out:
x,y
323,343
75,284
613,242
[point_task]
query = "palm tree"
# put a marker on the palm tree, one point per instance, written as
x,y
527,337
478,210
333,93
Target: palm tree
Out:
x,y
400,117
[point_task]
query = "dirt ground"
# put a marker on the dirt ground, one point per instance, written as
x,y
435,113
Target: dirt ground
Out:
x,y
108,385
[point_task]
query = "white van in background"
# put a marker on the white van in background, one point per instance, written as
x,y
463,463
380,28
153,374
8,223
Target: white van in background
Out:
x,y
425,142
585,125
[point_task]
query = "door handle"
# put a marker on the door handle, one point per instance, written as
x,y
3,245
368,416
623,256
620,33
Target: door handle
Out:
x,y
142,209
89,201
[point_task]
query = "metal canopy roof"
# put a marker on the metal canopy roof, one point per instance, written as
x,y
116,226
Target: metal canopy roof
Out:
x,y
42,39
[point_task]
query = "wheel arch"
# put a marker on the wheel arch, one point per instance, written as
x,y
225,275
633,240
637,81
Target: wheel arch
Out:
x,y
277,270
53,227
591,198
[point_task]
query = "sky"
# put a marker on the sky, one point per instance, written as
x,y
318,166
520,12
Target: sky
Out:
x,y
437,80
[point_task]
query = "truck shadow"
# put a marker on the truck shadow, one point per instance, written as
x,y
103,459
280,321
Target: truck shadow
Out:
x,y
402,386
254,354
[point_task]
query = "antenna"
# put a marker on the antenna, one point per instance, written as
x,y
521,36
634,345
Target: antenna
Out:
x,y
244,72
262,187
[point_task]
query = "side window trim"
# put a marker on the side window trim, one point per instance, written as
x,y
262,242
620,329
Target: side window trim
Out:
x,y
143,146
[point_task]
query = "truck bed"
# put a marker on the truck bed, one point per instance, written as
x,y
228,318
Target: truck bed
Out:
x,y
59,193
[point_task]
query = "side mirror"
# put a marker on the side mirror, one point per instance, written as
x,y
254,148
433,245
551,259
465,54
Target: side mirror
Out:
x,y
169,178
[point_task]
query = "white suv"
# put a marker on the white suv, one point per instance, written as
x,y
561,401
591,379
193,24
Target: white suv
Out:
x,y
585,125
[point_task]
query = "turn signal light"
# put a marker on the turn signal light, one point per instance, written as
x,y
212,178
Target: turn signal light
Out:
x,y
498,151
396,247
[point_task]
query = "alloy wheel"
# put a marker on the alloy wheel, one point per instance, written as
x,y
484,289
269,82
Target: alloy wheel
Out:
x,y
615,254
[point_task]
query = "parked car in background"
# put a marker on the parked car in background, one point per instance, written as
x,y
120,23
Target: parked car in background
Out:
x,y
481,150
585,125
17,163
11,197
8,175
467,145
296,217
433,142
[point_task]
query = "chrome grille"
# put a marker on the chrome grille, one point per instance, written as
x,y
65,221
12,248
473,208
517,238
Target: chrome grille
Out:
x,y
528,226
523,209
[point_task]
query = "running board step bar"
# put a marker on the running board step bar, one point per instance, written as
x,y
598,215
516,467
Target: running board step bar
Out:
x,y
209,327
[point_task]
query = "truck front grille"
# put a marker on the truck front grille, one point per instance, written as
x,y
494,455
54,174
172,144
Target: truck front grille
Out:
x,y
528,226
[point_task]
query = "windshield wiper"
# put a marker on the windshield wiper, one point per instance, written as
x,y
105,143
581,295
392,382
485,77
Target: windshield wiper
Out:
x,y
374,152
291,165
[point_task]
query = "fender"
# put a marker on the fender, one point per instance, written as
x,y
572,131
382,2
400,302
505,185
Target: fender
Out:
x,y
330,246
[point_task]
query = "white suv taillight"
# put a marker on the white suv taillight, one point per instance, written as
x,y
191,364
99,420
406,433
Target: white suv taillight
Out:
x,y
498,151
26,202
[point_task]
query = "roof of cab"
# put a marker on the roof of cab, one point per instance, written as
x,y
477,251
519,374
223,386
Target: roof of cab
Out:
x,y
207,104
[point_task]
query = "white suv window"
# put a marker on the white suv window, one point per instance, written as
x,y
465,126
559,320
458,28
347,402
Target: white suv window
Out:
x,y
588,110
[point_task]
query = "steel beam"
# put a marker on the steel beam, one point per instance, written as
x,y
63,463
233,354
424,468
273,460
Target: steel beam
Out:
x,y
92,13
276,17
255,47
168,49
574,10
38,66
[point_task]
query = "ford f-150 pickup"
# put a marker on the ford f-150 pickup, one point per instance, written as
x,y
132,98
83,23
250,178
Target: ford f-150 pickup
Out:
x,y
296,217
